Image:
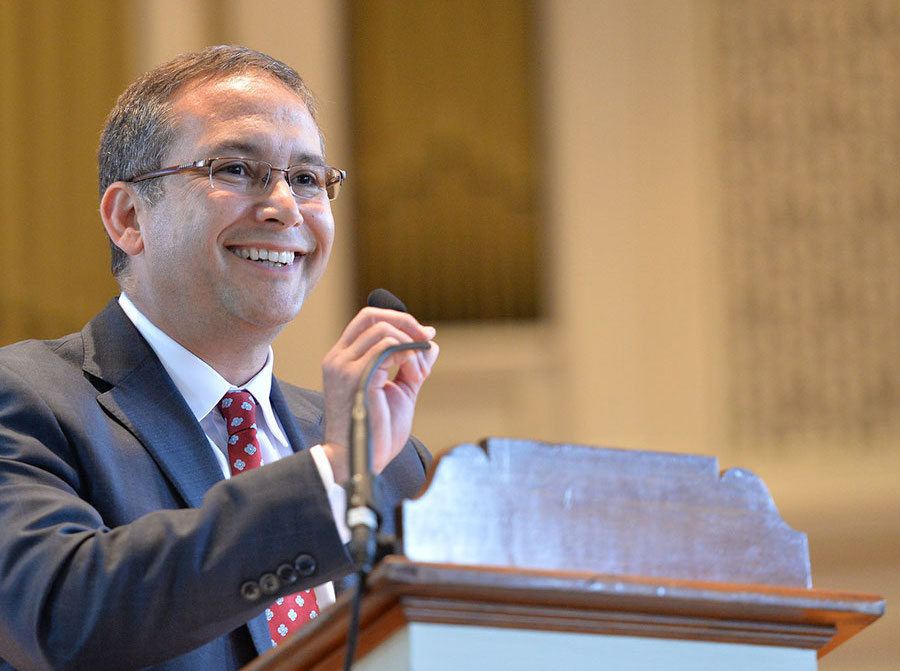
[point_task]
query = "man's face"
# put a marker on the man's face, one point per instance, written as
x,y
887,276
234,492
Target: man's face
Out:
x,y
191,267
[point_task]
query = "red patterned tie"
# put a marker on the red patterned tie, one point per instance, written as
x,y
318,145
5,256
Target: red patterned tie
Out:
x,y
239,410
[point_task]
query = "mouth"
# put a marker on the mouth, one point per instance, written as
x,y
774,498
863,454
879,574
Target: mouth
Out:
x,y
268,257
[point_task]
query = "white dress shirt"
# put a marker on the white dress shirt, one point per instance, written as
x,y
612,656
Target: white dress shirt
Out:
x,y
202,388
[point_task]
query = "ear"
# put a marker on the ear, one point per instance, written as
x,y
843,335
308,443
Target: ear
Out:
x,y
119,209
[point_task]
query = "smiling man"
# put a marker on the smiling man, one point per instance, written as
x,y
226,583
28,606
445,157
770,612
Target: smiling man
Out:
x,y
165,502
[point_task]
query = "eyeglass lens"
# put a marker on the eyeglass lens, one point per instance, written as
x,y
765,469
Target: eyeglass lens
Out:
x,y
248,176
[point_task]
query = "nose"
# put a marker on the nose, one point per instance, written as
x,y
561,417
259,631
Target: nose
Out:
x,y
279,204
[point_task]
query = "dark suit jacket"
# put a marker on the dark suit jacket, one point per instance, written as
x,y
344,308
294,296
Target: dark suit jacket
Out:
x,y
121,545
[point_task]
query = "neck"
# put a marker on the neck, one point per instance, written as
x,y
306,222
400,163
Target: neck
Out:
x,y
237,365
236,350
237,359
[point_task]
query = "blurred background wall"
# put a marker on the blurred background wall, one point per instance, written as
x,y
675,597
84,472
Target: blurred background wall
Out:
x,y
713,214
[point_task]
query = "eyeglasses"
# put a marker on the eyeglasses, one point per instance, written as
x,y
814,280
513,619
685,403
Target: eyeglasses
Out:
x,y
248,176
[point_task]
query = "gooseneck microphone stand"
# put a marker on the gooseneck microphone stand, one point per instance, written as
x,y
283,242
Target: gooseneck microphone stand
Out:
x,y
362,513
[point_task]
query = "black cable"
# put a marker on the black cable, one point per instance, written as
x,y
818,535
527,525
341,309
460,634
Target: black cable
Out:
x,y
353,632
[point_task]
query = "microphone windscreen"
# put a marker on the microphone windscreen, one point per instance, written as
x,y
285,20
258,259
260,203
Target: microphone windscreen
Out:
x,y
382,298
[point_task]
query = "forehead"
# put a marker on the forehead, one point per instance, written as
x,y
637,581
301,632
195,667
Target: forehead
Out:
x,y
253,112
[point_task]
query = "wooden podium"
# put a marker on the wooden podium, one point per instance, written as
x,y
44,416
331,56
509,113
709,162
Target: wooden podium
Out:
x,y
532,556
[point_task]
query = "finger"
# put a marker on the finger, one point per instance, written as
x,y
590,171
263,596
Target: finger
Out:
x,y
368,317
398,367
373,341
411,373
344,369
415,369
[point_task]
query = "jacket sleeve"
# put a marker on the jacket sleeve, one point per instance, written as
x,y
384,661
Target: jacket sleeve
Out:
x,y
77,592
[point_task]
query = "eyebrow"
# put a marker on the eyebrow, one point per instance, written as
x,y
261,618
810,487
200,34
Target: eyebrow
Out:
x,y
238,148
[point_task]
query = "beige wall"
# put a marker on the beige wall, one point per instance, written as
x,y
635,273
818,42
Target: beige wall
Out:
x,y
633,352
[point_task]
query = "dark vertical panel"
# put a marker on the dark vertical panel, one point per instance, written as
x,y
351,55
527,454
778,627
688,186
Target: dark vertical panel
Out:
x,y
446,172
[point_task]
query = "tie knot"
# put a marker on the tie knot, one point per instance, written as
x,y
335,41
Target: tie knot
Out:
x,y
239,410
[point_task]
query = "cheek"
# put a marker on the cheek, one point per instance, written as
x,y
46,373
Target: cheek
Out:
x,y
200,224
321,227
174,238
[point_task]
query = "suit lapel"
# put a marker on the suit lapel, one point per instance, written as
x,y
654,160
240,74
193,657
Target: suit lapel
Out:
x,y
301,431
148,404
144,399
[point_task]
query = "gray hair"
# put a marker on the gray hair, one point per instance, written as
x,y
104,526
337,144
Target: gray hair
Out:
x,y
140,128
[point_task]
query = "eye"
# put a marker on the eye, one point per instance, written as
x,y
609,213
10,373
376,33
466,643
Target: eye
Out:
x,y
234,169
305,178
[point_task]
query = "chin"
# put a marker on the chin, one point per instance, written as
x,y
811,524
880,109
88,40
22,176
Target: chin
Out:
x,y
274,321
271,309
268,316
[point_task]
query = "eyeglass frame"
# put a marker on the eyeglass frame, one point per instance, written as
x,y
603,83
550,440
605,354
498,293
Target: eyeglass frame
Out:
x,y
208,162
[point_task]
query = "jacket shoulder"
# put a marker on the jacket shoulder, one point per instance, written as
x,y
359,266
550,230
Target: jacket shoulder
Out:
x,y
31,357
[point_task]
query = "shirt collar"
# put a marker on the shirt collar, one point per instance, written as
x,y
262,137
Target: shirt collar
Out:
x,y
200,385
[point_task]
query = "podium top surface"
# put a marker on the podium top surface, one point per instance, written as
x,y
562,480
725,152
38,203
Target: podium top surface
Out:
x,y
530,505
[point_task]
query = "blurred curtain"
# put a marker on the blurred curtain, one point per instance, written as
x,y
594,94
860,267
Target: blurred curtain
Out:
x,y
447,168
61,67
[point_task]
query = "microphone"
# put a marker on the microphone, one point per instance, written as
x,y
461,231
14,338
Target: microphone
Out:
x,y
382,298
362,515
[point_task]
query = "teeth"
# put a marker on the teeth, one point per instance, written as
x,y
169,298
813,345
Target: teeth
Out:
x,y
269,257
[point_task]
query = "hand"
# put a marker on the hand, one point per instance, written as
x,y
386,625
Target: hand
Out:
x,y
392,400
